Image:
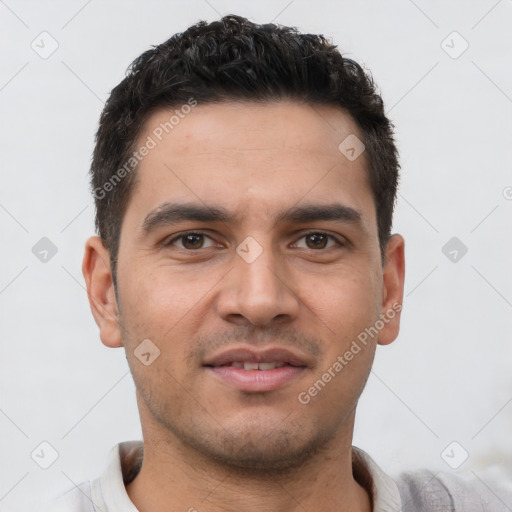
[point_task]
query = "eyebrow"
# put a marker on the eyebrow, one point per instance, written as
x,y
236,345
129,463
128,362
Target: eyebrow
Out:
x,y
172,213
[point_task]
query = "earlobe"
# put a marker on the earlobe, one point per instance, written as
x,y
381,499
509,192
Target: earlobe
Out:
x,y
392,289
100,291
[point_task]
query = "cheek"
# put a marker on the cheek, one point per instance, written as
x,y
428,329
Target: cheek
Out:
x,y
346,302
157,306
346,309
347,305
161,299
166,307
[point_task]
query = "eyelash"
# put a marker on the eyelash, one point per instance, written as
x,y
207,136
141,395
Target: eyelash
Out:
x,y
339,242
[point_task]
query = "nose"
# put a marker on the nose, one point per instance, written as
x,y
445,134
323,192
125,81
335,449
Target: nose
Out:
x,y
258,291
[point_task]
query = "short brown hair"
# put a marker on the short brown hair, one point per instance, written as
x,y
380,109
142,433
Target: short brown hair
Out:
x,y
236,59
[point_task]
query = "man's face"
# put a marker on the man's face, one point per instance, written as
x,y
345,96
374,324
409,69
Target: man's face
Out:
x,y
281,266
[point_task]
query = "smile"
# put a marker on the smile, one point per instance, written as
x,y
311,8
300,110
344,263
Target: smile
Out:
x,y
249,365
256,369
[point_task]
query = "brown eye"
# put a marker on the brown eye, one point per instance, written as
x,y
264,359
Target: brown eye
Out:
x,y
192,241
318,240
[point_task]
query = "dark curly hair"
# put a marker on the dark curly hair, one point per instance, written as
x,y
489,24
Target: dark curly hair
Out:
x,y
235,59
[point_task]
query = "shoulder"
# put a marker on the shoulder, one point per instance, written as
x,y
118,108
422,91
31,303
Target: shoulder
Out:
x,y
107,491
428,491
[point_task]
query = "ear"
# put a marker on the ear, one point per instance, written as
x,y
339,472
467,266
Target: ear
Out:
x,y
392,289
100,290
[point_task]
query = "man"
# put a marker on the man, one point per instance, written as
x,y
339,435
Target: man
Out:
x,y
245,179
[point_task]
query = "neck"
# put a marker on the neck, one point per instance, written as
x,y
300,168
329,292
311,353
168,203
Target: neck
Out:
x,y
174,475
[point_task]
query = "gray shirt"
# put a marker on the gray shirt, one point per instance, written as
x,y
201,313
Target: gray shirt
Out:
x,y
421,491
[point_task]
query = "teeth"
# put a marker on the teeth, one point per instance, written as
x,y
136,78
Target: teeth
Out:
x,y
257,366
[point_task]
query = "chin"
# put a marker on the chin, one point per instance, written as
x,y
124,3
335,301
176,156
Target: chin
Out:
x,y
258,450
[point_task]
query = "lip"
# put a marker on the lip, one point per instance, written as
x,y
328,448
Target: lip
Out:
x,y
268,355
295,365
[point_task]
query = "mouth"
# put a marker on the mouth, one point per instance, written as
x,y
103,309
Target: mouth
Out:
x,y
249,370
250,365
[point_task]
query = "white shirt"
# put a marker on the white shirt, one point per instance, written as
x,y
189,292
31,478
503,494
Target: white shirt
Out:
x,y
421,491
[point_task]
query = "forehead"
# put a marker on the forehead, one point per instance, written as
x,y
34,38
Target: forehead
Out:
x,y
250,157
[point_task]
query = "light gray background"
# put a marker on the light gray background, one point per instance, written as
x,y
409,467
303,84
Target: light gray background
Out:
x,y
448,376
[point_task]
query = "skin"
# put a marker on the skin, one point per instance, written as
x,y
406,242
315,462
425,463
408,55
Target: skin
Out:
x,y
207,444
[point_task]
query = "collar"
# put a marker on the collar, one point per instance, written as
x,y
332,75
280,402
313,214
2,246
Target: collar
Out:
x,y
125,458
384,491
